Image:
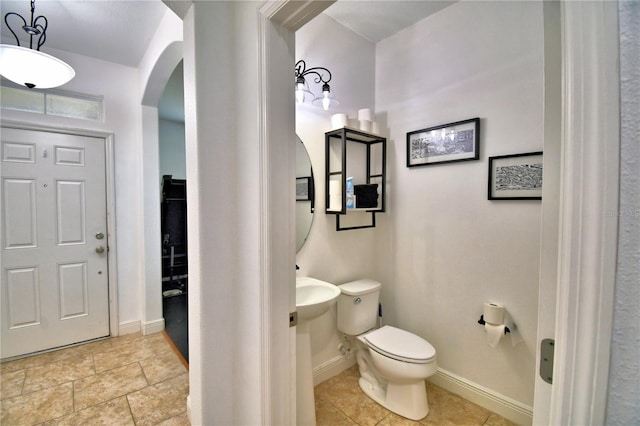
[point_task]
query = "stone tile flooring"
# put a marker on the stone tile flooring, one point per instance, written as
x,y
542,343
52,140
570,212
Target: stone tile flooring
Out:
x,y
339,401
139,380
127,380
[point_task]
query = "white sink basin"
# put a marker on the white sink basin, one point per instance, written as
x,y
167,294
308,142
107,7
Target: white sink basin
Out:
x,y
314,297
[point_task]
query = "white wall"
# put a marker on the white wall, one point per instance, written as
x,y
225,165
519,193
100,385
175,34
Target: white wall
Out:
x,y
160,59
120,87
172,157
624,375
123,88
240,149
336,257
450,249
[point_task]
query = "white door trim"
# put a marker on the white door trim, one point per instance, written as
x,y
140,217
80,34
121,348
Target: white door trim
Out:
x,y
549,229
111,204
588,220
277,23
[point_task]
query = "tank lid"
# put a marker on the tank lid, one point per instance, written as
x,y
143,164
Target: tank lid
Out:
x,y
360,287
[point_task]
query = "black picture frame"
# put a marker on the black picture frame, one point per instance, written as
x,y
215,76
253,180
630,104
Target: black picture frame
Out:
x,y
446,143
303,188
515,177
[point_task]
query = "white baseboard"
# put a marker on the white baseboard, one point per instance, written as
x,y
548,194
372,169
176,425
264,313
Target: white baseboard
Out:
x,y
153,327
135,327
332,367
506,407
128,328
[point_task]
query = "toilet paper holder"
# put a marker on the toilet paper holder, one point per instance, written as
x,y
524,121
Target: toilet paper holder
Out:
x,y
481,321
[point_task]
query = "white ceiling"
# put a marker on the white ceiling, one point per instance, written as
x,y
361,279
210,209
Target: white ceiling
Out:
x,y
120,30
116,31
379,19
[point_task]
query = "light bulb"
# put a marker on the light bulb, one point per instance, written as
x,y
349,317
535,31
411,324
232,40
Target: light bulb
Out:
x,y
326,102
300,92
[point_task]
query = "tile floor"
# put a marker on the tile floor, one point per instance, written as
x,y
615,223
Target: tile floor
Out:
x,y
127,380
339,401
139,380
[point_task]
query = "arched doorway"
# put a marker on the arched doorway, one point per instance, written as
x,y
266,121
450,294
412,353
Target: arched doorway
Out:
x,y
152,319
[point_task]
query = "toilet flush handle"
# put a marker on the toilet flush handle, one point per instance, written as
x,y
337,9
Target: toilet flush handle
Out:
x,y
357,300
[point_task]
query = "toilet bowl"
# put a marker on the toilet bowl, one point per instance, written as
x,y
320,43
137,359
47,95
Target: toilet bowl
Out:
x,y
393,363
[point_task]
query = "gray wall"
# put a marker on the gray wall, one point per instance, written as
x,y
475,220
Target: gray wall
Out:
x,y
624,378
172,157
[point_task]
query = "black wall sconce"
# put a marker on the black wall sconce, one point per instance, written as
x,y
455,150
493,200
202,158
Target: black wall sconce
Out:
x,y
322,75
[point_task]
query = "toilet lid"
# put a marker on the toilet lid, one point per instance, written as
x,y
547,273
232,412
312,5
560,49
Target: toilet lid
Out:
x,y
400,344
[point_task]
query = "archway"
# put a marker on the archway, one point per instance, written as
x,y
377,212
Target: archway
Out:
x,y
152,320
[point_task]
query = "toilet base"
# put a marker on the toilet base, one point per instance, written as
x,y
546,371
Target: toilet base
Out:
x,y
406,400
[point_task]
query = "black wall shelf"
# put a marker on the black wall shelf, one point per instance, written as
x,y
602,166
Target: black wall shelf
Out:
x,y
365,162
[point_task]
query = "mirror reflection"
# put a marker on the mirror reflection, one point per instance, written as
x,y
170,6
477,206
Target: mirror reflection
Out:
x,y
305,194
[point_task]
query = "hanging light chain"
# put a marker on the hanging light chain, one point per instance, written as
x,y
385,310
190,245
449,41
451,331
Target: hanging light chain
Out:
x,y
34,28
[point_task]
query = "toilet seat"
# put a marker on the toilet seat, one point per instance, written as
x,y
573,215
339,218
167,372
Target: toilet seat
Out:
x,y
400,345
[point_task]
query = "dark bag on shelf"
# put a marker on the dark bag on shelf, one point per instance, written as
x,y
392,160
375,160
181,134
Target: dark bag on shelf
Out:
x,y
366,195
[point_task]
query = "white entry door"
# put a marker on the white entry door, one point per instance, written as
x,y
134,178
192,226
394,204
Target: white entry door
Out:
x,y
54,241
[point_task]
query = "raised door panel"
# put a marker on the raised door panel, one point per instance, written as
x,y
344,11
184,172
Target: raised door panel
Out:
x,y
71,212
23,294
72,284
69,156
16,152
19,213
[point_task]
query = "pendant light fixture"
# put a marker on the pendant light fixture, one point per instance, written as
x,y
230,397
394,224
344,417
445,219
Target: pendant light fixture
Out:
x,y
303,94
28,66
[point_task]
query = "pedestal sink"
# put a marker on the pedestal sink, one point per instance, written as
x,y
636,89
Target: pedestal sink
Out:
x,y
313,298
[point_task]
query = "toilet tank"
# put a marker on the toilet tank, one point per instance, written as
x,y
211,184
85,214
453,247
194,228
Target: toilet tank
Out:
x,y
358,306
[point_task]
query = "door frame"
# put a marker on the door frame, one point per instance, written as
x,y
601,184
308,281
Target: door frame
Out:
x,y
114,329
588,228
586,243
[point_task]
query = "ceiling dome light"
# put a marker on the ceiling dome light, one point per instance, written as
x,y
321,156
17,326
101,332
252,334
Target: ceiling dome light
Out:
x,y
28,66
32,68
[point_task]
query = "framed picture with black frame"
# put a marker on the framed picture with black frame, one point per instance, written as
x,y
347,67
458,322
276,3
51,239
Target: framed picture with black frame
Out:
x,y
515,177
303,188
446,143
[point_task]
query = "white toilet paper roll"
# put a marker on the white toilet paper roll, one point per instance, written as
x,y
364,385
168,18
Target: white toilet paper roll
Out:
x,y
339,121
365,114
335,202
335,187
494,334
365,125
515,335
375,129
493,313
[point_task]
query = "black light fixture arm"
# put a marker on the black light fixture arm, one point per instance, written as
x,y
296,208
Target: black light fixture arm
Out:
x,y
33,29
301,71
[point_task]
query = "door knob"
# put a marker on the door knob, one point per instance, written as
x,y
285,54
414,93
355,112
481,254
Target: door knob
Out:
x,y
99,249
99,235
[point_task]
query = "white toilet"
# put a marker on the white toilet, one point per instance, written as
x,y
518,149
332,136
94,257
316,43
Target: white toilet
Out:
x,y
393,363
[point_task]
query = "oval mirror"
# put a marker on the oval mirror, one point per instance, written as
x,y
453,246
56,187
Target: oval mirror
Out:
x,y
305,194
